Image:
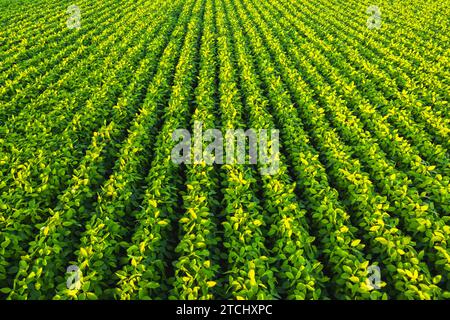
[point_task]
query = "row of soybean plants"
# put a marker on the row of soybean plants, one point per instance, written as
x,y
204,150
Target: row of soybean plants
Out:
x,y
421,171
247,273
338,246
47,45
376,53
74,201
40,73
417,86
34,132
426,48
122,193
198,253
416,60
398,111
152,249
292,257
359,81
30,184
363,146
329,148
21,28
119,193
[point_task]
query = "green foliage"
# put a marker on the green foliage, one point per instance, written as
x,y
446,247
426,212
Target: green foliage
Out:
x,y
86,177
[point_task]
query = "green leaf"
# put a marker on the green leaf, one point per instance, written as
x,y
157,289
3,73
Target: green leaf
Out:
x,y
355,242
5,290
83,252
382,240
91,296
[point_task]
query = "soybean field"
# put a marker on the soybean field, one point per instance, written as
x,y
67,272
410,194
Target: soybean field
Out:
x,y
120,179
